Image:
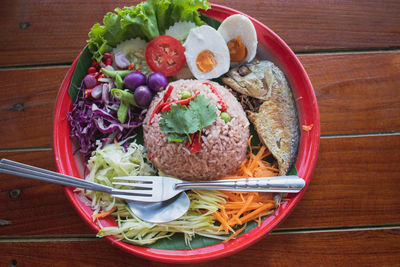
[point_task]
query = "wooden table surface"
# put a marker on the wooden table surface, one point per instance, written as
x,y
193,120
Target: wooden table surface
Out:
x,y
349,215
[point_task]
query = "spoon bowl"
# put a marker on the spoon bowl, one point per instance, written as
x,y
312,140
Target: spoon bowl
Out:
x,y
161,212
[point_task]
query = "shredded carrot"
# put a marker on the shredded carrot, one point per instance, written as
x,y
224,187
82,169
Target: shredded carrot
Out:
x,y
255,160
233,196
242,207
235,233
234,206
249,143
104,214
256,212
223,221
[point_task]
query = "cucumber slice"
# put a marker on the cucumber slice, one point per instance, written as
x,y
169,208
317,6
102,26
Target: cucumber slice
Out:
x,y
180,30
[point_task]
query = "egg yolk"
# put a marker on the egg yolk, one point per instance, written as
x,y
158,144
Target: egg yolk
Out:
x,y
206,61
237,49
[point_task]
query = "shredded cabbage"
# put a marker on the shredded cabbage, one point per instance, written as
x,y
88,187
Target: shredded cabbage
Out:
x,y
113,160
134,230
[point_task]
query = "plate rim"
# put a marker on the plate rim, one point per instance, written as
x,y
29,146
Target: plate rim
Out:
x,y
307,165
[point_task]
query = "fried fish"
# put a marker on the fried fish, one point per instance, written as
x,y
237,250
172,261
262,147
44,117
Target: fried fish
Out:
x,y
275,120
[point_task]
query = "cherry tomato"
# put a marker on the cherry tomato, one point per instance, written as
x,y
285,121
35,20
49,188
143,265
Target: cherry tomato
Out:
x,y
92,70
165,54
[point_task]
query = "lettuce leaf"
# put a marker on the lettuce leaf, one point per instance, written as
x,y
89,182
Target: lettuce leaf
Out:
x,y
139,21
127,23
169,12
146,20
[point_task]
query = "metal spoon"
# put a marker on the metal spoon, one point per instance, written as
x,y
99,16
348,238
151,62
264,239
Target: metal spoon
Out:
x,y
161,212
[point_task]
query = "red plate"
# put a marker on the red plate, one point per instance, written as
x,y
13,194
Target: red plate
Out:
x,y
276,50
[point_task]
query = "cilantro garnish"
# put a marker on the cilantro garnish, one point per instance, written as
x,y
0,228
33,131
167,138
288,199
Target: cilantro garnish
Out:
x,y
181,121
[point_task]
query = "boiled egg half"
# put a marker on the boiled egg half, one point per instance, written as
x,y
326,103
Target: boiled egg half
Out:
x,y
241,38
207,53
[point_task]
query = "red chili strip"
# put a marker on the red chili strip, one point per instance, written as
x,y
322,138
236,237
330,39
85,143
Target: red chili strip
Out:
x,y
167,93
88,92
221,99
183,102
160,104
196,145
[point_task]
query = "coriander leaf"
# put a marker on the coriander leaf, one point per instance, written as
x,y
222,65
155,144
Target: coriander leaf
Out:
x,y
179,120
205,112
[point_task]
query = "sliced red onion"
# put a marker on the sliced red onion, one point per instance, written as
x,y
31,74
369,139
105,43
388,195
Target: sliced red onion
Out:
x,y
97,91
104,94
89,81
109,67
121,61
102,65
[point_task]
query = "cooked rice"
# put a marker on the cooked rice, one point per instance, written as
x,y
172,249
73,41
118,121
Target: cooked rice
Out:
x,y
224,145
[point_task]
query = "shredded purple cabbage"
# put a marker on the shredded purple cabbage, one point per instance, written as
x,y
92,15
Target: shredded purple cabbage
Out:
x,y
94,120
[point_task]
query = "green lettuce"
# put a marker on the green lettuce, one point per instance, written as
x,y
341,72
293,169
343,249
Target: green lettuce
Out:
x,y
170,11
146,20
128,22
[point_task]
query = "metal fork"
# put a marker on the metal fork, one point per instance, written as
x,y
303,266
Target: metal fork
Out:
x,y
154,188
160,188
27,171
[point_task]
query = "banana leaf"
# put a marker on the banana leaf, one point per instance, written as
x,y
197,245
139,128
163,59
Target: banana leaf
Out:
x,y
82,66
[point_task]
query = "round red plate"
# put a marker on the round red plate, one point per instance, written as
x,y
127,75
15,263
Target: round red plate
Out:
x,y
276,50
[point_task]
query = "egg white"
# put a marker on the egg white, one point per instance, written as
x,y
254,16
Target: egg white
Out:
x,y
236,25
206,38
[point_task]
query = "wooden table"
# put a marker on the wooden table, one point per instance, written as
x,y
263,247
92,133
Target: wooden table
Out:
x,y
350,214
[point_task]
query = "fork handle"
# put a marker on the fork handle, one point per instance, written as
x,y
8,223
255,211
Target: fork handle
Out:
x,y
27,171
285,184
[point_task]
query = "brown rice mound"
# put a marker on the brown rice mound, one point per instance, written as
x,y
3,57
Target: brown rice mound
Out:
x,y
224,145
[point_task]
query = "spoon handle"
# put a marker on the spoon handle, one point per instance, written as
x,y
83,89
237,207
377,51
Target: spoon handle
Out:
x,y
285,184
27,171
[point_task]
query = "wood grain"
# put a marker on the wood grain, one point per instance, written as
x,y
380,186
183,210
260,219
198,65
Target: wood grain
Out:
x,y
351,186
55,31
356,93
357,248
40,208
354,183
26,104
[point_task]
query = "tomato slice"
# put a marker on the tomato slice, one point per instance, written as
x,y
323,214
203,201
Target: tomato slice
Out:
x,y
165,54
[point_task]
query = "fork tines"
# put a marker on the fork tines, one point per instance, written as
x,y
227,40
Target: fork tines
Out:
x,y
140,187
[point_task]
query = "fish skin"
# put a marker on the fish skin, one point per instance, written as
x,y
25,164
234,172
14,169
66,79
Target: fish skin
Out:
x,y
249,79
276,121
